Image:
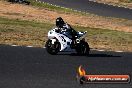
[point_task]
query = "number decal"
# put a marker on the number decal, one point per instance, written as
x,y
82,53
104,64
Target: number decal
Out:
x,y
63,39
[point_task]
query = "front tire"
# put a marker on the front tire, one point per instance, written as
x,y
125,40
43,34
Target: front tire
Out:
x,y
52,48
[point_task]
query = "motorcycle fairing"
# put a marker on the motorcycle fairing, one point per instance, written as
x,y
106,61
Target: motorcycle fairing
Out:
x,y
64,41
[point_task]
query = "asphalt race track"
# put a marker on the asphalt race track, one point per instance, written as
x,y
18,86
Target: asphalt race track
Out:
x,y
93,7
24,67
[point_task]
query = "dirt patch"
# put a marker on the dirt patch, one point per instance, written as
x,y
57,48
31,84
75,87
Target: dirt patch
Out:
x,y
24,12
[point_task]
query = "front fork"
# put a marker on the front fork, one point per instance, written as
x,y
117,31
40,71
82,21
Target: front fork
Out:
x,y
54,43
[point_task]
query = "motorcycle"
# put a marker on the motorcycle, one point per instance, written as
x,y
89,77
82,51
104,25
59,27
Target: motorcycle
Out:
x,y
61,41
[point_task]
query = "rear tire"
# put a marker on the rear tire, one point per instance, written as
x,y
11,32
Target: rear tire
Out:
x,y
52,48
82,48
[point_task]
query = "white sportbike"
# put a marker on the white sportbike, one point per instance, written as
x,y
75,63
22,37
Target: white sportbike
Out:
x,y
61,41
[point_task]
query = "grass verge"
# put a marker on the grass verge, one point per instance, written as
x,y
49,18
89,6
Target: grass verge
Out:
x,y
14,31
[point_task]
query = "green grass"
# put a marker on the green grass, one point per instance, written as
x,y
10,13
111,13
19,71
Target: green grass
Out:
x,y
23,32
34,33
23,23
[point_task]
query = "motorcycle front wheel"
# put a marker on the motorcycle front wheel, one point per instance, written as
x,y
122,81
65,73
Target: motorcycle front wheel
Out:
x,y
52,48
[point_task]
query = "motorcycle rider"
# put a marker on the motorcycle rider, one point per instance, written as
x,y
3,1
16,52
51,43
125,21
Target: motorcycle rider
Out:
x,y
62,26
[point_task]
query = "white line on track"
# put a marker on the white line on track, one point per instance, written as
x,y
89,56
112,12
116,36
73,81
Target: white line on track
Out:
x,y
14,45
29,46
90,49
119,51
100,50
90,1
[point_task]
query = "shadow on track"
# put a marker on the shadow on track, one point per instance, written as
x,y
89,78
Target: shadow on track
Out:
x,y
91,55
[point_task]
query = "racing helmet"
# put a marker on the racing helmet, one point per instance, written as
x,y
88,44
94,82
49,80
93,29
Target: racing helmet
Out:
x,y
59,22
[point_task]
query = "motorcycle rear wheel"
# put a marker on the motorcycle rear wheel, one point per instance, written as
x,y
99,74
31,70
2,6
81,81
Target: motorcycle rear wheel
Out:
x,y
82,48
